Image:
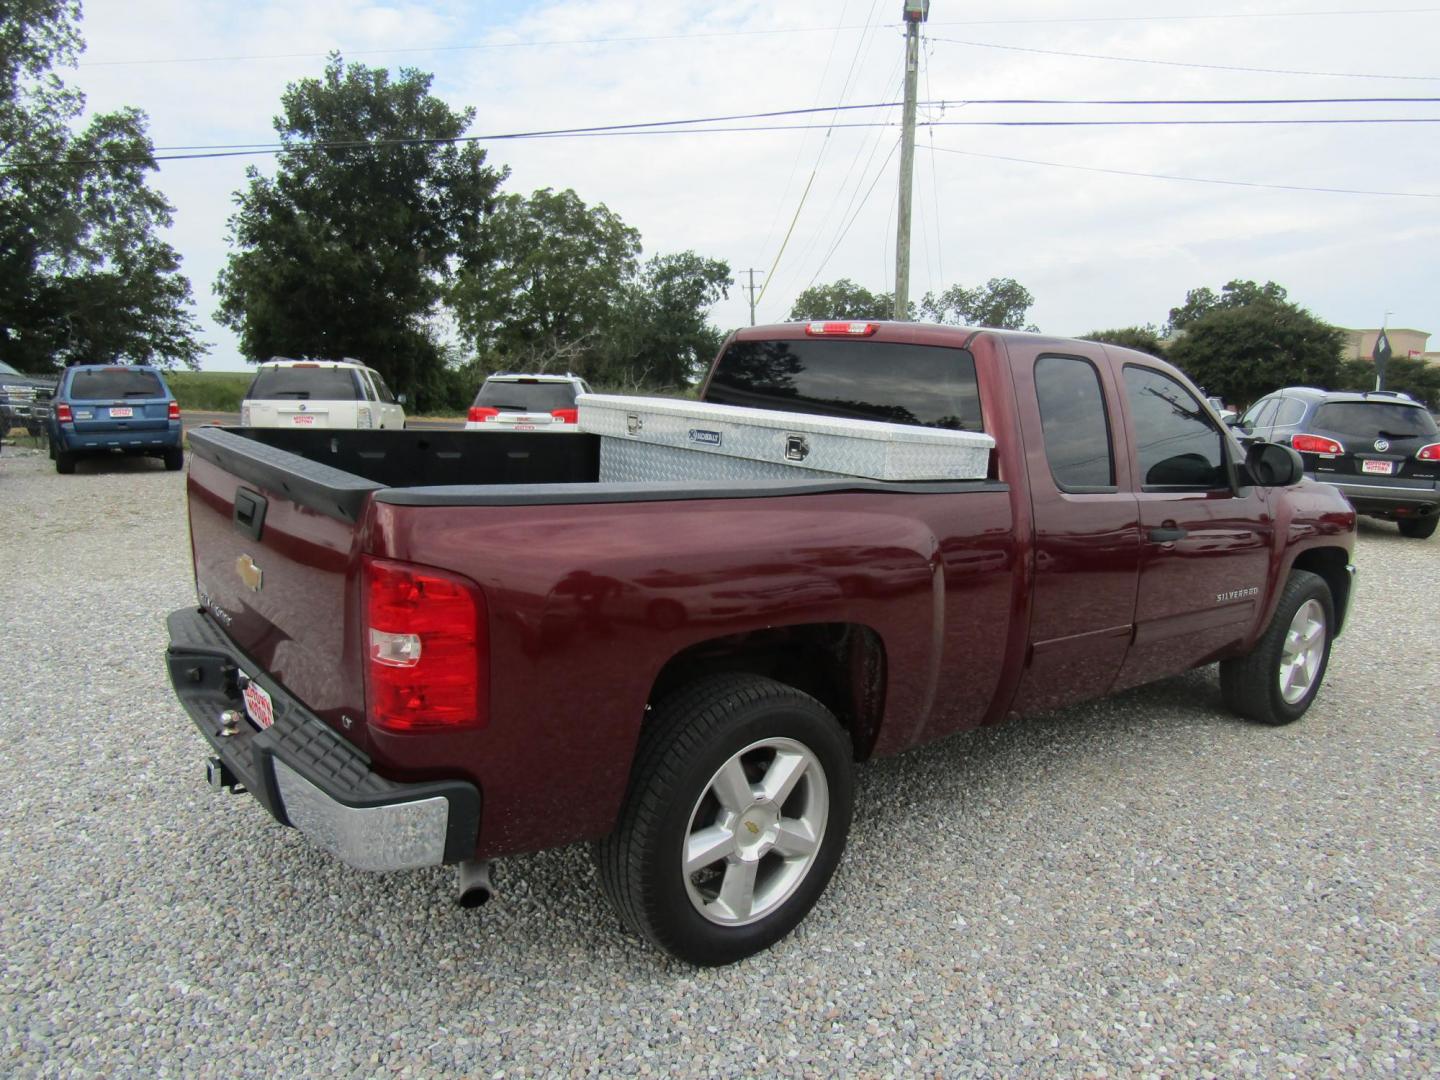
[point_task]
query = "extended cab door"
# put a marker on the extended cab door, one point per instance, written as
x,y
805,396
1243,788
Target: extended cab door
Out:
x,y
1205,542
1087,531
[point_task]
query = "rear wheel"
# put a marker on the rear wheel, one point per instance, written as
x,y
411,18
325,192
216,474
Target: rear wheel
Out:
x,y
1277,681
175,459
736,818
1419,528
64,462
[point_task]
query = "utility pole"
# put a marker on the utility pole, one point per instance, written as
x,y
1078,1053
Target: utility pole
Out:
x,y
916,12
751,290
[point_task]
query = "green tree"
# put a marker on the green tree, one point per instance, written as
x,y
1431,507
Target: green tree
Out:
x,y
660,334
349,249
842,299
1141,338
1409,375
1244,352
1000,303
1234,294
539,289
83,273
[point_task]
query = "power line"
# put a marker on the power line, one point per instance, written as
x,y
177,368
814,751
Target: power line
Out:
x,y
685,127
713,34
1185,63
1189,179
824,144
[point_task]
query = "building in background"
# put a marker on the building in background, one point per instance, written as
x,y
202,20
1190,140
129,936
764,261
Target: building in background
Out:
x,y
1360,344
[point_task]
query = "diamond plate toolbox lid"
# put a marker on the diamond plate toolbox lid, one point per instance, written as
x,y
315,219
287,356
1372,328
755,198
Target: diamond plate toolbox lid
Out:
x,y
869,448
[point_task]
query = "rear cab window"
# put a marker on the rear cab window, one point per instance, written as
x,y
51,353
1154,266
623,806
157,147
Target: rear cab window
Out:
x,y
926,385
118,382
526,395
304,384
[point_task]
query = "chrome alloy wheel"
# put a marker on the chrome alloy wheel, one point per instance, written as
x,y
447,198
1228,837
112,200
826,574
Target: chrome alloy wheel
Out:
x,y
1303,651
755,831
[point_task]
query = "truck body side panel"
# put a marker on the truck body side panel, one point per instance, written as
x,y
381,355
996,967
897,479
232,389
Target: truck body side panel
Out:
x,y
587,603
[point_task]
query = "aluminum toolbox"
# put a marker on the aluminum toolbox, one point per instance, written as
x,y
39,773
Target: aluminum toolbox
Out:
x,y
644,438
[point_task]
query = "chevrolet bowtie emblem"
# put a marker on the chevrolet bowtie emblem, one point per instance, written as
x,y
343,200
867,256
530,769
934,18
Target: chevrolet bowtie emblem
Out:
x,y
249,573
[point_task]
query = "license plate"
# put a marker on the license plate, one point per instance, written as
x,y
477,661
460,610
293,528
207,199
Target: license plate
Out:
x,y
303,419
123,410
1383,467
257,704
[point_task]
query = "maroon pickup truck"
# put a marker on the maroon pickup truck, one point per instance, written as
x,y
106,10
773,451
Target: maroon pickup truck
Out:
x,y
426,647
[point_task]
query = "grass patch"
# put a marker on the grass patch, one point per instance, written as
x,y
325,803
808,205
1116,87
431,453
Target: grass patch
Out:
x,y
209,391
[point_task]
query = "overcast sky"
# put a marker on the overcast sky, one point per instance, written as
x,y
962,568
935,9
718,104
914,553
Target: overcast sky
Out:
x,y
1096,249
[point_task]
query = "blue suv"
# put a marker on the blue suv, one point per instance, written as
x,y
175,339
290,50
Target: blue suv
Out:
x,y
114,408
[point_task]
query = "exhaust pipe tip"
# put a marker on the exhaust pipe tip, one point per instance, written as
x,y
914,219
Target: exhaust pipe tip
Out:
x,y
476,884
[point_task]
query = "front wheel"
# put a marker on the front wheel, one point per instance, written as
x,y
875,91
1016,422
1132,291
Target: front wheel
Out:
x,y
736,818
1419,528
1278,679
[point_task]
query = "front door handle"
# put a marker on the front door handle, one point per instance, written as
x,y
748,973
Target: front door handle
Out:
x,y
1166,533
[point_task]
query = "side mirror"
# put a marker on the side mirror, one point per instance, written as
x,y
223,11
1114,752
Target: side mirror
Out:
x,y
1272,465
400,399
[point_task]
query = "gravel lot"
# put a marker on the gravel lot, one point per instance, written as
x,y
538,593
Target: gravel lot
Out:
x,y
1142,885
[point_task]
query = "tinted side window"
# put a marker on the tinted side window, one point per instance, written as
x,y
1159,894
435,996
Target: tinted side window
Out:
x,y
382,389
1077,428
1290,412
929,385
115,383
1176,444
1260,414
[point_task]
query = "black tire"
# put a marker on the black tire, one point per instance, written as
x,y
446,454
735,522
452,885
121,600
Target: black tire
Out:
x,y
64,463
1419,528
175,459
689,736
1251,684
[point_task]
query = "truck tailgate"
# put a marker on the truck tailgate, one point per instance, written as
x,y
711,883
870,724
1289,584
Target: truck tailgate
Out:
x,y
277,556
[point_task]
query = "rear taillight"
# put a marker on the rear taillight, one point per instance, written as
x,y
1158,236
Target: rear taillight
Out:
x,y
1429,453
63,414
480,412
566,416
174,413
1315,444
426,648
841,329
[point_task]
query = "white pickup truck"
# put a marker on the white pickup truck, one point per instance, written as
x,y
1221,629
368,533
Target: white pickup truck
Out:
x,y
320,394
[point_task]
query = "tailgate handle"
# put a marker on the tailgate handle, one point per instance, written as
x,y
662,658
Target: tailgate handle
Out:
x,y
249,513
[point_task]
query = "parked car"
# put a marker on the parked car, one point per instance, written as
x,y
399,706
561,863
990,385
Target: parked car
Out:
x,y
511,401
437,648
320,394
114,409
24,400
1381,449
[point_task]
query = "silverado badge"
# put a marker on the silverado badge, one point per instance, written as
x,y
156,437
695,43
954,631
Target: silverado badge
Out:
x,y
249,573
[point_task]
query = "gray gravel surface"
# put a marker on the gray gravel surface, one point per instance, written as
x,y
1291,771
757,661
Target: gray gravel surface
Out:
x,y
1139,886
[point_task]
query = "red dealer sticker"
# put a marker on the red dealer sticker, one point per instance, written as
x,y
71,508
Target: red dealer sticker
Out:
x,y
257,704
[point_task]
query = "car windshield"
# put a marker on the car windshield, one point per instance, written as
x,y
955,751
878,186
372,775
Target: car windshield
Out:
x,y
304,383
526,395
6,369
1366,419
117,382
